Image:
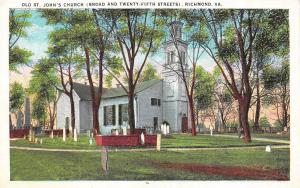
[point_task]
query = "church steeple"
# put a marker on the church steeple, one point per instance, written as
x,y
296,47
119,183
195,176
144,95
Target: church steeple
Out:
x,y
176,30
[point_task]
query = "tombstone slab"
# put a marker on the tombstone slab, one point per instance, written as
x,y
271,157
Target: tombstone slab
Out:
x,y
142,139
158,142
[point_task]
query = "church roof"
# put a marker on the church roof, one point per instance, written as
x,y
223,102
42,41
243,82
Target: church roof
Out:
x,y
84,93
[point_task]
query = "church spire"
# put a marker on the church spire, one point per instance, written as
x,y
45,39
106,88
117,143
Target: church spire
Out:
x,y
176,29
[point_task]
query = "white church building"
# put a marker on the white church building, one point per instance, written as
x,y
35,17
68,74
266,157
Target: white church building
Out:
x,y
155,100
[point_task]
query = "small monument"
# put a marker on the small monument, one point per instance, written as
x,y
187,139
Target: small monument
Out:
x,y
142,139
90,141
64,134
211,131
124,130
268,148
117,132
27,113
158,142
104,159
75,135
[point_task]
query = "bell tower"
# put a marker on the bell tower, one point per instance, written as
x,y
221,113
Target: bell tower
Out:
x,y
175,102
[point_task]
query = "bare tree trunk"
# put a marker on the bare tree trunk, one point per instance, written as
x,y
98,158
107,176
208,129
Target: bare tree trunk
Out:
x,y
72,113
258,104
131,121
191,105
243,111
284,109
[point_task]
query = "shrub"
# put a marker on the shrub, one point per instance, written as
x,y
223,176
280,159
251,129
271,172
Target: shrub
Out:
x,y
264,122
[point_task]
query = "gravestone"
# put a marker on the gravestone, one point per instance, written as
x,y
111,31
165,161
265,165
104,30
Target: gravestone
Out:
x,y
90,141
64,134
19,120
75,135
27,113
124,130
168,129
268,148
211,131
142,139
117,132
158,142
104,159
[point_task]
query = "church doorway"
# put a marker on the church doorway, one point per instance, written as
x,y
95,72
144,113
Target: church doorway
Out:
x,y
155,123
184,124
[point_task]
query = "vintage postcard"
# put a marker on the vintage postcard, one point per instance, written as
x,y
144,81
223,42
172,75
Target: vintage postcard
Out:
x,y
149,93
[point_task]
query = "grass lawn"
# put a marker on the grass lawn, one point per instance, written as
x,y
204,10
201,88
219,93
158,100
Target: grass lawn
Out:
x,y
177,140
150,165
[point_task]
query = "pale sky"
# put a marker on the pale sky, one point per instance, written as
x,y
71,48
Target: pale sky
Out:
x,y
37,43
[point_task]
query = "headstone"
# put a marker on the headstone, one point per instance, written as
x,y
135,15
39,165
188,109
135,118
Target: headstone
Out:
x,y
168,129
268,148
90,141
142,139
117,132
64,134
158,142
19,120
75,135
104,159
211,131
27,113
124,130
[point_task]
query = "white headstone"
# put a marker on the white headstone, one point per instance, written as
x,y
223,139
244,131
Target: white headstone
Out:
x,y
124,130
142,138
64,134
117,132
90,141
268,148
75,135
158,142
211,132
168,129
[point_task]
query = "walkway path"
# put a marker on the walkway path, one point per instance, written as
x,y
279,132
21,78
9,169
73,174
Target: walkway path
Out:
x,y
149,149
255,138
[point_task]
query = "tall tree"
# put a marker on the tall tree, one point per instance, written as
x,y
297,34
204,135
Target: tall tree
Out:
x,y
231,35
136,34
43,86
16,98
276,80
269,49
204,92
18,23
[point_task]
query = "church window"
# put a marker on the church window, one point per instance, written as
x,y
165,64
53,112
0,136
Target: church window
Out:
x,y
172,56
182,57
123,113
109,115
155,102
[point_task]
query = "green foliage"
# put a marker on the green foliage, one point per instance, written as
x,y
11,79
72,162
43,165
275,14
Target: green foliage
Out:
x,y
18,56
204,89
43,87
232,124
276,77
18,23
264,122
149,73
16,97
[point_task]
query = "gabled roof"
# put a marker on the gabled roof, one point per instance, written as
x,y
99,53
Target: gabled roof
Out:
x,y
84,93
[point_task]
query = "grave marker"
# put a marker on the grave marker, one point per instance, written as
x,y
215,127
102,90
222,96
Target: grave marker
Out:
x,y
158,142
104,159
142,139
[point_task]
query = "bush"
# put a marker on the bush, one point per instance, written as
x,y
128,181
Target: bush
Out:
x,y
232,124
264,122
165,122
